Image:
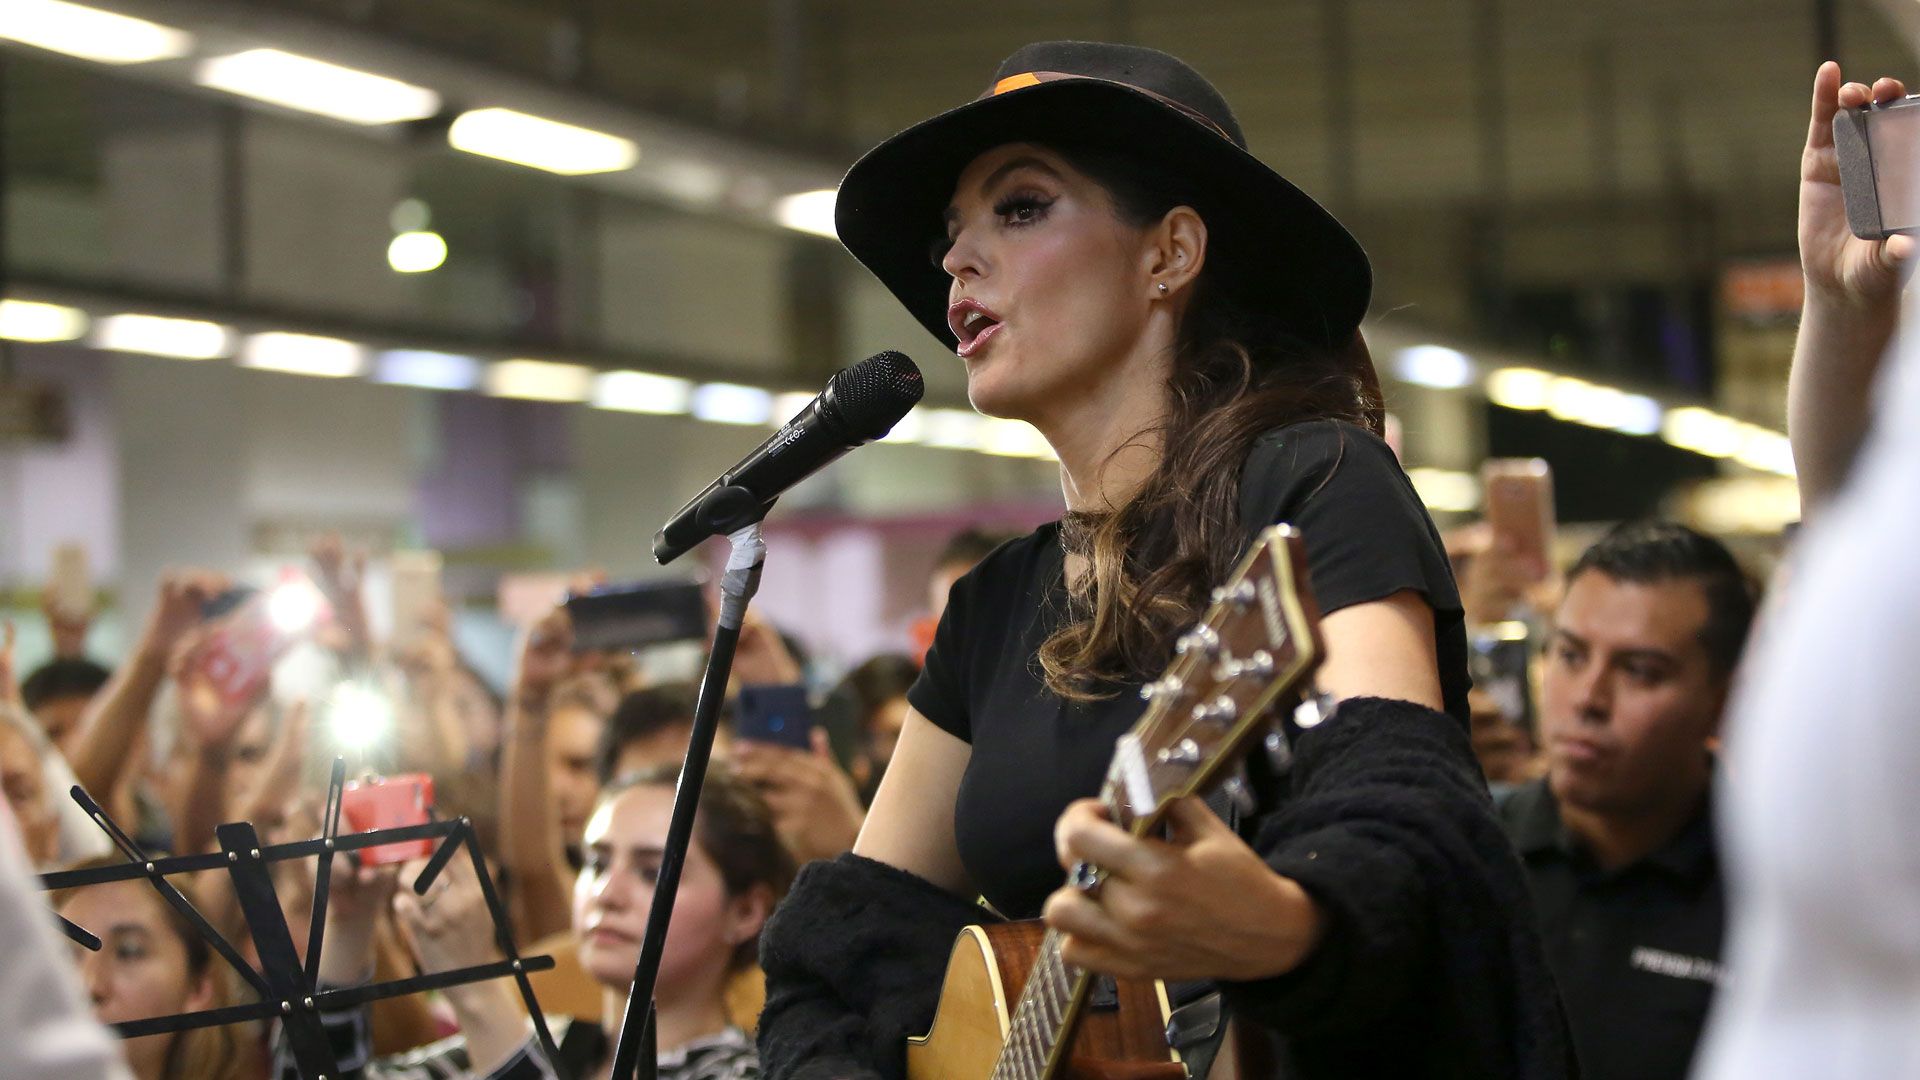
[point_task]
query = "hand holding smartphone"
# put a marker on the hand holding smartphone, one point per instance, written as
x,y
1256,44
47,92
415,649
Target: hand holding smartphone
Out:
x,y
774,714
1879,153
389,803
1517,494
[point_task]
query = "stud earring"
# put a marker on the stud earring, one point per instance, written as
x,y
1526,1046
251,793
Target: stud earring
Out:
x,y
1163,288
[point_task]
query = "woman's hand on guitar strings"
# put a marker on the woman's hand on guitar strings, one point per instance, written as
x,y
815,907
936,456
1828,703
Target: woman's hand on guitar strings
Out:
x,y
1198,905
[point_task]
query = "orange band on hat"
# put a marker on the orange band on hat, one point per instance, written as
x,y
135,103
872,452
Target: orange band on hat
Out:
x,y
1015,82
1035,78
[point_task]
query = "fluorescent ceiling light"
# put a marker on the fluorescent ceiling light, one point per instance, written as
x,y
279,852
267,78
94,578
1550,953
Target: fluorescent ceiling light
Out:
x,y
689,181
30,320
1765,451
304,354
954,429
809,212
89,33
541,144
1745,504
1446,489
182,339
1702,431
731,403
1638,414
911,428
315,86
1013,438
427,370
788,405
1519,388
1434,366
642,392
540,380
417,252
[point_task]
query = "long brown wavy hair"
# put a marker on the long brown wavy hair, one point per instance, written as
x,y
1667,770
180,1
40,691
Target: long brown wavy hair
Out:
x,y
1237,372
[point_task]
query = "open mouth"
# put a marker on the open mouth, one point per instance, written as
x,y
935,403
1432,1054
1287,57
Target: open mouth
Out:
x,y
972,324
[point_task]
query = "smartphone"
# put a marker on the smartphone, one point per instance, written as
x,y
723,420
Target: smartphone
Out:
x,y
1879,151
389,803
1517,496
1499,659
70,585
416,594
774,714
241,650
637,615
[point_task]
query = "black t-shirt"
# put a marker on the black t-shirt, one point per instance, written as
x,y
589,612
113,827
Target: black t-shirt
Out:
x,y
1636,950
1367,537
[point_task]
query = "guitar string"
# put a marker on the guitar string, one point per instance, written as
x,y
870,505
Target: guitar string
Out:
x,y
1041,1011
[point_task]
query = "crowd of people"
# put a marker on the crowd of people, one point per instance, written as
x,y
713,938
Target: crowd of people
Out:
x,y
1605,783
568,775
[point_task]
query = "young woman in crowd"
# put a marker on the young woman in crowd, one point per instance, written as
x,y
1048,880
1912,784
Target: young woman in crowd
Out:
x,y
152,962
734,874
1181,324
877,691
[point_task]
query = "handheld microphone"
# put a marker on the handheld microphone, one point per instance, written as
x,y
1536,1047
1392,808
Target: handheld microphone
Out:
x,y
861,403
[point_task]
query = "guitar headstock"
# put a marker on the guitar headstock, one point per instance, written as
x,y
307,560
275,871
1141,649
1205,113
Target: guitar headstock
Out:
x,y
1252,653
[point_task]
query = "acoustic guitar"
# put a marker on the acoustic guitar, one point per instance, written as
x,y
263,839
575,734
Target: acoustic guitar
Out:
x,y
1010,1007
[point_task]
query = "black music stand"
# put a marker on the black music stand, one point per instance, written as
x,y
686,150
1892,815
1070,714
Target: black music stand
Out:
x,y
288,991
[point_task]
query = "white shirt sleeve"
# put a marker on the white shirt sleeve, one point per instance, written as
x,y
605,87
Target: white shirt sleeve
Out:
x,y
1818,815
47,1032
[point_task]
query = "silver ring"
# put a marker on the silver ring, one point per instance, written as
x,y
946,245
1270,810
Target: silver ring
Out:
x,y
1088,879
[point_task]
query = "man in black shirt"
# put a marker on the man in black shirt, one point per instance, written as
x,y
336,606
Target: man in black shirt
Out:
x,y
1618,838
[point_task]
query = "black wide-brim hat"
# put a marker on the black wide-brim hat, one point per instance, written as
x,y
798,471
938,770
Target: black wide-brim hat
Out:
x,y
1283,250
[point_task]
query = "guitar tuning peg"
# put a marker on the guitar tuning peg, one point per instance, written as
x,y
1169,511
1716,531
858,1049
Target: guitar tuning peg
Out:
x,y
1260,665
1184,752
1238,794
1168,687
1200,639
1313,711
1279,752
1240,594
1221,711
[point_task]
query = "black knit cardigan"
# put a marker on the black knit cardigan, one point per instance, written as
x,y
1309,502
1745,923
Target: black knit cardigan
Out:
x,y
1431,965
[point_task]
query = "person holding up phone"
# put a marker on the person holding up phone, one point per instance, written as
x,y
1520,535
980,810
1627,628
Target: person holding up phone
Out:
x,y
780,750
116,723
1822,747
1852,302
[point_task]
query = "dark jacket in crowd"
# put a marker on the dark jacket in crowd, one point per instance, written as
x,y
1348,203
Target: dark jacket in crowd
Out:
x,y
1636,950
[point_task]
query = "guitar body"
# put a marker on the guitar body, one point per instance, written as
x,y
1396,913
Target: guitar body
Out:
x,y
985,975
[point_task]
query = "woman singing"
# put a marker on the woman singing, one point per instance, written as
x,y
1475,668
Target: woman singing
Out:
x,y
1180,322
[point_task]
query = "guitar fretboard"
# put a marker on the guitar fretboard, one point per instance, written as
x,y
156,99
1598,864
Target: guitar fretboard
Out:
x,y
1055,990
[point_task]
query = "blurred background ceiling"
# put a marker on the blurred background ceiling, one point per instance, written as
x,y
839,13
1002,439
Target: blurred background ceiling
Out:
x,y
1599,196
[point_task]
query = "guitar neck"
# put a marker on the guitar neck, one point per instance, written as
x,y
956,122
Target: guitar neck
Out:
x,y
1256,646
1042,1025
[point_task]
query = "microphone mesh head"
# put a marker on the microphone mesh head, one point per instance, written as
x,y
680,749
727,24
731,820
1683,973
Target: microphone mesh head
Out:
x,y
872,395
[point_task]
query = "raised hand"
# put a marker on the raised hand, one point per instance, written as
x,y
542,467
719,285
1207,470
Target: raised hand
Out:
x,y
762,658
210,718
338,574
814,803
176,612
1852,304
1836,262
9,674
450,926
545,658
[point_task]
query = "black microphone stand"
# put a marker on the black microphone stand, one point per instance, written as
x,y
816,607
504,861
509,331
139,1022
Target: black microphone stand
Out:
x,y
634,1052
